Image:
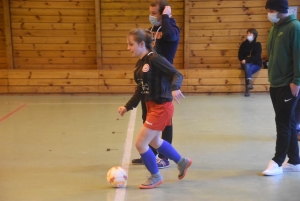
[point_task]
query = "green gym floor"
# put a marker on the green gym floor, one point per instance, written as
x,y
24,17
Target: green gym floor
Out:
x,y
60,147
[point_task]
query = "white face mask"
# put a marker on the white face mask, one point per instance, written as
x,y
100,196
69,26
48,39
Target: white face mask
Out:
x,y
153,20
273,17
250,38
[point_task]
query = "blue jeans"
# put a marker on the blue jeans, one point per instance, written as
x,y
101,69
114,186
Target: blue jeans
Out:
x,y
250,69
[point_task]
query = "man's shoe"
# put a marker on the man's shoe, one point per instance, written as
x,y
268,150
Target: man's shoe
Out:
x,y
162,163
152,181
137,161
287,167
182,166
272,169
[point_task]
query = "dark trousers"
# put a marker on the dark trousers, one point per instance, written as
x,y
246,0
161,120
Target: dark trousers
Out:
x,y
284,104
297,116
167,133
250,69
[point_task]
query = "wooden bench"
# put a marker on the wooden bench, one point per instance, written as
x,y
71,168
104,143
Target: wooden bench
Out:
x,y
225,80
120,82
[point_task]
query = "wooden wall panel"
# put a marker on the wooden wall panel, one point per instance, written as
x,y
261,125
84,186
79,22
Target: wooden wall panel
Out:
x,y
3,81
53,81
217,28
3,59
66,46
226,81
118,17
53,34
70,81
117,81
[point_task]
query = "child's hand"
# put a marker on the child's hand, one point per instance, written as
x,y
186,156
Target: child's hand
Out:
x,y
177,95
122,110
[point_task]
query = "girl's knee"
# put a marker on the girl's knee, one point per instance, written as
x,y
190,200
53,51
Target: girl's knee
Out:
x,y
140,146
137,145
156,143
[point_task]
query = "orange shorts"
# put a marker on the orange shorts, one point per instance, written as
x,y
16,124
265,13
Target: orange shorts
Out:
x,y
159,115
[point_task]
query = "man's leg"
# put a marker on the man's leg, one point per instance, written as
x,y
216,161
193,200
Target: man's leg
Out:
x,y
285,125
284,104
297,119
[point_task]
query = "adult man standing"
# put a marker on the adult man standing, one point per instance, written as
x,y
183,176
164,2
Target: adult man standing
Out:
x,y
166,39
284,78
164,29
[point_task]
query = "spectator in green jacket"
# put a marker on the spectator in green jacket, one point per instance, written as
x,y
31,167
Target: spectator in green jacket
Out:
x,y
284,78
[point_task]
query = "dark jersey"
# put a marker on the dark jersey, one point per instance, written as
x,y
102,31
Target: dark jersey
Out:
x,y
156,78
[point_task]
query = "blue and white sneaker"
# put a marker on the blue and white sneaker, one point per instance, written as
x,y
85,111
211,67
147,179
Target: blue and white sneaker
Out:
x,y
162,163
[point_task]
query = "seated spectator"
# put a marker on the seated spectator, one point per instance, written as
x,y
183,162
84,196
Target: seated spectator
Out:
x,y
250,57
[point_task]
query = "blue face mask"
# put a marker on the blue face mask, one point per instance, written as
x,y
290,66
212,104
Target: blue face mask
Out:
x,y
250,38
153,20
273,17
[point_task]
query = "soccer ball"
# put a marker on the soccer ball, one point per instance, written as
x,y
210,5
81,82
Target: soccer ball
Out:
x,y
117,177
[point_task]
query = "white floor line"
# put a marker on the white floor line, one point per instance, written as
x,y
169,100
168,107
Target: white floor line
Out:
x,y
120,192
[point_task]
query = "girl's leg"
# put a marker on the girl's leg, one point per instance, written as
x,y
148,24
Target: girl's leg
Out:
x,y
166,149
144,115
143,140
169,151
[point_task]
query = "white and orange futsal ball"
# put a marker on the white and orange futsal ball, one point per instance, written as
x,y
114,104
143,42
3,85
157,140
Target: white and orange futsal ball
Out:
x,y
117,177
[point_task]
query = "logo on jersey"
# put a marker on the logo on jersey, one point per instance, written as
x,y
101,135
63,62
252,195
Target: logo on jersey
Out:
x,y
147,122
144,86
146,68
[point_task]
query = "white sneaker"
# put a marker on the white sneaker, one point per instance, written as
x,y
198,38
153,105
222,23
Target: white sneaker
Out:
x,y
287,167
272,169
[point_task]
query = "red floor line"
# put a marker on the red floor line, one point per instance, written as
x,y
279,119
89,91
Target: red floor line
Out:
x,y
11,113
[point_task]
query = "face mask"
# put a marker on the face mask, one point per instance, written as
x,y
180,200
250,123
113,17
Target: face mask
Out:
x,y
250,38
273,17
153,20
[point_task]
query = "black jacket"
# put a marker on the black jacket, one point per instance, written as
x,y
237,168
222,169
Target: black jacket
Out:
x,y
251,52
156,78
